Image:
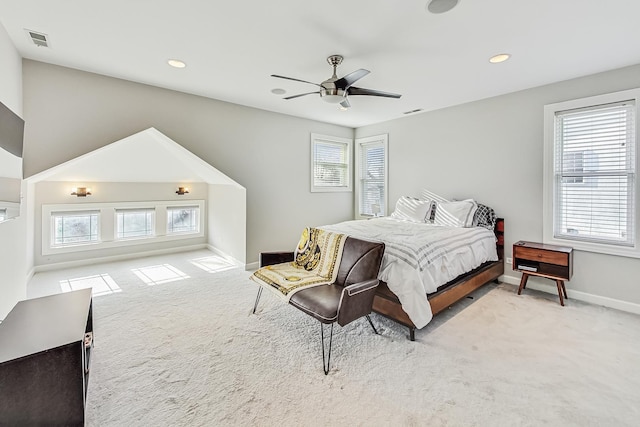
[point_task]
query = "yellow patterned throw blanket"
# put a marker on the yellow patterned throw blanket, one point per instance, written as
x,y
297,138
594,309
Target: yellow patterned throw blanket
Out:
x,y
316,262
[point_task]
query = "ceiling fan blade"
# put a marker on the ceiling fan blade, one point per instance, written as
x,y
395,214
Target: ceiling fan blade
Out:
x,y
345,103
346,81
295,80
299,95
371,92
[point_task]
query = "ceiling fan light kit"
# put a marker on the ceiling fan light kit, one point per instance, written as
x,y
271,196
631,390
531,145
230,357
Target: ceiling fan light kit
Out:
x,y
336,90
441,6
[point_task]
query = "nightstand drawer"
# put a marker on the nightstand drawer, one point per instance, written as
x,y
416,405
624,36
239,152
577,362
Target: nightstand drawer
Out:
x,y
550,257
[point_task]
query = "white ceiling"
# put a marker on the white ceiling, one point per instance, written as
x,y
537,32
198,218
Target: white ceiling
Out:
x,y
232,47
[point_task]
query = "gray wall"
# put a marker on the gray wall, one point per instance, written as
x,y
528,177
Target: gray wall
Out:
x,y
13,233
492,150
73,112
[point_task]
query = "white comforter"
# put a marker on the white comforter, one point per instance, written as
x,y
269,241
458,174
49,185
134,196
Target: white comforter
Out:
x,y
420,257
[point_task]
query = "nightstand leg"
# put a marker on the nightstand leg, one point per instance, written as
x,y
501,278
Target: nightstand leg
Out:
x,y
564,290
560,291
523,282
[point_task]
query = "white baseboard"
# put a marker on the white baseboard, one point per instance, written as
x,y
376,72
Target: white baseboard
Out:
x,y
251,266
629,307
225,256
90,261
30,274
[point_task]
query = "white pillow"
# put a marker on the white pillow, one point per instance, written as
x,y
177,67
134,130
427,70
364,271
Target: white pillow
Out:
x,y
430,195
456,214
412,209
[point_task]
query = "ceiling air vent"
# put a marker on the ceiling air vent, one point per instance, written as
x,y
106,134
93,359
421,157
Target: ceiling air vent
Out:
x,y
39,39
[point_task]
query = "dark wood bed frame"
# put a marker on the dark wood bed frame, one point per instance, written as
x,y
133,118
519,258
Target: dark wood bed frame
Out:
x,y
387,304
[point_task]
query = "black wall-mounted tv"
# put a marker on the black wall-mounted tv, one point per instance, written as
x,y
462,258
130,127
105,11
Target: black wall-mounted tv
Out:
x,y
11,131
11,172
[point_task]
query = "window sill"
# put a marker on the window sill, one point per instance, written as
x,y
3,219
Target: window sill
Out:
x,y
118,243
599,248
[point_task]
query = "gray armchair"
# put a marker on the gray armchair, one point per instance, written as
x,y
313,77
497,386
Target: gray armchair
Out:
x,y
348,298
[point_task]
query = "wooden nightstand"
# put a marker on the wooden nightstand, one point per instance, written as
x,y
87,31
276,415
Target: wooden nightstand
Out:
x,y
549,261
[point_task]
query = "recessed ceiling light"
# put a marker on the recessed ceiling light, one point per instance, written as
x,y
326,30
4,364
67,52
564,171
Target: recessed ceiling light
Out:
x,y
441,6
278,91
176,63
496,59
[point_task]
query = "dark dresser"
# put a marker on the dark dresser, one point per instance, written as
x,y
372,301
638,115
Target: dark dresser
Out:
x,y
45,353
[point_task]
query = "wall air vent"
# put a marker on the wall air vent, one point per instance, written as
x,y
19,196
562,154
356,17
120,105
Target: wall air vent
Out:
x,y
39,39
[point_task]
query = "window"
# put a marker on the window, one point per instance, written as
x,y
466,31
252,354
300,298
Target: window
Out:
x,y
131,223
590,173
71,228
330,163
68,228
371,170
183,219
573,166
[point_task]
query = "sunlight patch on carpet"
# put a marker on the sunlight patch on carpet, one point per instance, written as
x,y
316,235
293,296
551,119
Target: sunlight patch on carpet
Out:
x,y
159,274
101,284
213,264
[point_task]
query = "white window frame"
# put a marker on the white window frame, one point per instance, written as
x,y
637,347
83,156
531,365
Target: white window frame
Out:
x,y
382,140
107,225
347,144
87,212
549,171
146,210
198,215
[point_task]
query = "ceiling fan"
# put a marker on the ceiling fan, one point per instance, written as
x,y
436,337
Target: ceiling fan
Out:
x,y
337,90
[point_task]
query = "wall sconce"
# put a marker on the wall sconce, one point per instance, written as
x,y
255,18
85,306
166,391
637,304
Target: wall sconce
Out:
x,y
81,192
182,191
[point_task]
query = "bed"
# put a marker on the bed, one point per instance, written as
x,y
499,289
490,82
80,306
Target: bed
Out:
x,y
427,265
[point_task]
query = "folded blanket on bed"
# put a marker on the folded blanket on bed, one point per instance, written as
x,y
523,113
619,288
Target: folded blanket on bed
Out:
x,y
316,262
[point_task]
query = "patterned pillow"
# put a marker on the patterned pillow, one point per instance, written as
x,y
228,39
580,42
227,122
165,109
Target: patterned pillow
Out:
x,y
485,217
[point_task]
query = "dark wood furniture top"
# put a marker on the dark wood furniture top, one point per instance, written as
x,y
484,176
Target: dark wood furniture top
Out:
x,y
387,303
549,261
45,348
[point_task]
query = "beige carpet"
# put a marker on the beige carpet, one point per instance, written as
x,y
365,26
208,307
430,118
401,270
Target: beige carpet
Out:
x,y
187,352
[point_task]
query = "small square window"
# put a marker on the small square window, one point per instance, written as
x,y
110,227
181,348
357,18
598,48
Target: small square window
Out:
x,y
330,163
134,223
183,219
75,228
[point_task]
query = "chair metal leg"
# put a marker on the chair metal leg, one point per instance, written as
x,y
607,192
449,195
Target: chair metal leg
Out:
x,y
255,306
325,363
371,323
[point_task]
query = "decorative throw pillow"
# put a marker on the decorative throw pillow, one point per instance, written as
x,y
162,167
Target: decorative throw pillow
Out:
x,y
455,214
412,209
485,217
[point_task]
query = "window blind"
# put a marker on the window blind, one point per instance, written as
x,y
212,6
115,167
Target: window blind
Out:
x,y
330,164
595,173
372,179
